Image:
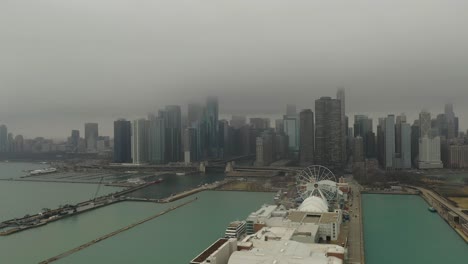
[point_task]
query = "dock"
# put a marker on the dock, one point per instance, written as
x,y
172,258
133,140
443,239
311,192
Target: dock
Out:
x,y
97,240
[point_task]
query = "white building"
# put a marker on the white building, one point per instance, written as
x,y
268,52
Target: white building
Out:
x,y
429,153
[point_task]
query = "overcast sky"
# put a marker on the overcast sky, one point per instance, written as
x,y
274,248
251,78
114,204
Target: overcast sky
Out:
x,y
67,62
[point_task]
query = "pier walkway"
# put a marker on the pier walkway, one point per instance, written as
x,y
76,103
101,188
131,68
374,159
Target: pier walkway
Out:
x,y
97,240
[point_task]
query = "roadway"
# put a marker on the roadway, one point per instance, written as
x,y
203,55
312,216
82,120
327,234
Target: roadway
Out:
x,y
355,233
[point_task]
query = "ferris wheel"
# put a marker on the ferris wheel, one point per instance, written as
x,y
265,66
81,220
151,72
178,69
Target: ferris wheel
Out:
x,y
318,181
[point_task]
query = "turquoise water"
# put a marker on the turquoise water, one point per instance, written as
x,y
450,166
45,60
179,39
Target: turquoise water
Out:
x,y
400,229
172,238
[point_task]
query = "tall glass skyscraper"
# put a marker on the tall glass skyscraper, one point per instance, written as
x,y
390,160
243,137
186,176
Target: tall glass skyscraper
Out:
x,y
122,141
173,135
156,140
212,126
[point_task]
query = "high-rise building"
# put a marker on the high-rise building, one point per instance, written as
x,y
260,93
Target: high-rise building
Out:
x,y
173,137
212,126
405,146
259,123
190,145
401,119
238,121
19,143
140,141
389,142
195,113
292,130
156,139
424,124
91,136
306,137
246,137
429,153
363,127
122,141
451,121
328,132
279,126
458,156
3,138
74,140
358,150
415,142
340,95
291,110
265,149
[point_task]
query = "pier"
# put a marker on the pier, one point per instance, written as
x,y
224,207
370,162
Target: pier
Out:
x,y
97,240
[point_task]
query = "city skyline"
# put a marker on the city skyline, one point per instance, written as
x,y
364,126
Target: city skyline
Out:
x,y
125,60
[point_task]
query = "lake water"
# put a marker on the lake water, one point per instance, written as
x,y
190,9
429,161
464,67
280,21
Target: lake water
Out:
x,y
172,238
400,229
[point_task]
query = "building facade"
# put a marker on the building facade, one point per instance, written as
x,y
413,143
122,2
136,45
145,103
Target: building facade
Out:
x,y
306,137
328,132
122,141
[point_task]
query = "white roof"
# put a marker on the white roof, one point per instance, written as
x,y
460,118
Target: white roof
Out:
x,y
314,204
281,252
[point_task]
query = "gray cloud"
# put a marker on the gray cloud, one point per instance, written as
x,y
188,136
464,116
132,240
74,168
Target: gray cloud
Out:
x,y
63,63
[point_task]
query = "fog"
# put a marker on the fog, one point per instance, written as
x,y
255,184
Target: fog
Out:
x,y
64,63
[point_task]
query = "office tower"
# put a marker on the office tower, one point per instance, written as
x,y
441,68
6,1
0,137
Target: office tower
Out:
x,y
265,149
363,127
340,95
415,142
405,147
358,150
389,141
291,129
156,139
140,141
238,121
260,123
457,156
195,113
74,140
3,138
401,119
91,136
279,126
190,145
291,110
328,132
122,141
306,137
424,124
223,138
429,153
10,143
281,146
246,136
452,129
212,126
19,143
173,137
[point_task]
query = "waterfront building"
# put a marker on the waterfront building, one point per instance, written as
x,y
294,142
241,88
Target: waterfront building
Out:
x,y
3,138
190,145
401,119
74,140
458,156
306,137
156,139
405,146
340,95
212,126
292,130
91,136
140,141
173,135
122,141
429,153
19,143
328,132
415,142
358,150
291,110
389,142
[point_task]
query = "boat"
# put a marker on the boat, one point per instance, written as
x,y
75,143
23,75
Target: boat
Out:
x,y
156,181
235,229
431,209
42,171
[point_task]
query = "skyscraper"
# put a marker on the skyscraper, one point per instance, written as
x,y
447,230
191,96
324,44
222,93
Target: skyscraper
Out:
x,y
156,140
401,119
190,145
328,132
212,127
122,141
19,143
195,113
91,136
451,122
363,127
429,146
3,138
425,124
173,137
140,141
340,95
291,129
405,146
75,140
358,151
306,137
238,121
389,142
